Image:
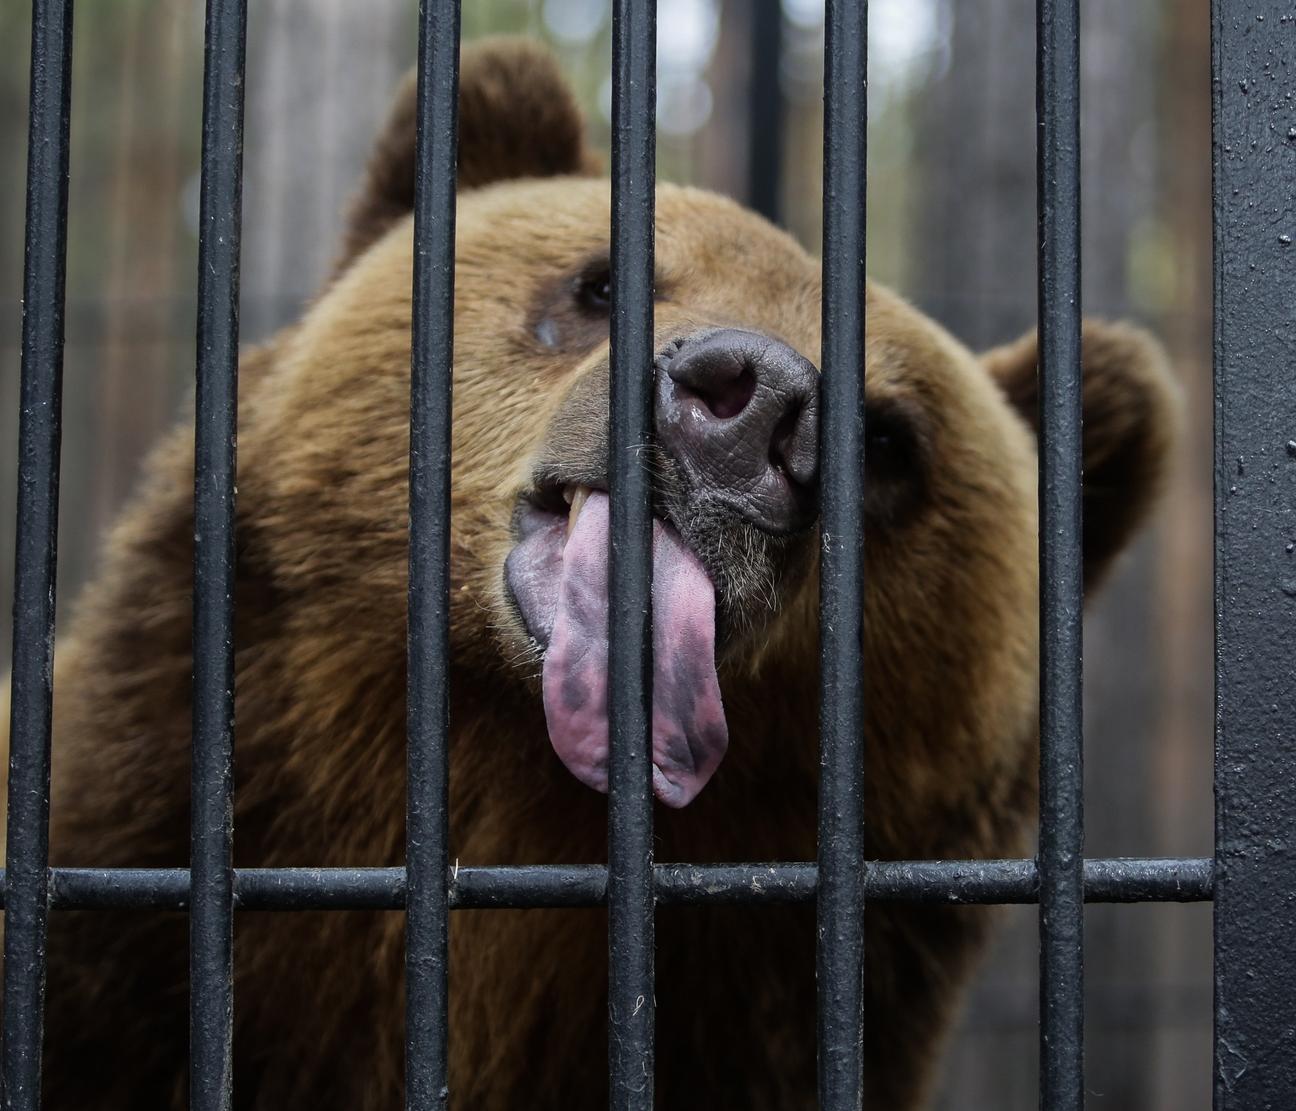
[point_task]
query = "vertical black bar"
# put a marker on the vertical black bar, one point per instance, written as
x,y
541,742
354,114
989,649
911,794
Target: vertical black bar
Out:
x,y
428,690
631,1008
840,957
765,121
40,429
1254,59
211,921
1061,847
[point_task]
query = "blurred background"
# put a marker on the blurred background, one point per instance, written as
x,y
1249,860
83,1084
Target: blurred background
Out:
x,y
951,225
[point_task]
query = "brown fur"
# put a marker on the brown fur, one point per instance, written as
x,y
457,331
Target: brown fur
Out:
x,y
950,686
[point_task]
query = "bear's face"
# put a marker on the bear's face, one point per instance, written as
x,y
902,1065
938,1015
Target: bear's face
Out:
x,y
734,467
950,606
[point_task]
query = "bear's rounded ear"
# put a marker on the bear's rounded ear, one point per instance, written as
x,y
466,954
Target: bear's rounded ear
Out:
x,y
518,117
1131,409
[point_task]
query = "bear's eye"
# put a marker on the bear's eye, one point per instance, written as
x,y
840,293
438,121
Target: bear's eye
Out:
x,y
888,444
572,312
895,459
594,291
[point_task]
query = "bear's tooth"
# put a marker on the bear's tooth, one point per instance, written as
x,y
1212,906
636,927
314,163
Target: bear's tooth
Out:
x,y
569,492
578,500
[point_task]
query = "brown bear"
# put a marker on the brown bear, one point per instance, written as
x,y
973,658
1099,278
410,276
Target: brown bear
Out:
x,y
950,625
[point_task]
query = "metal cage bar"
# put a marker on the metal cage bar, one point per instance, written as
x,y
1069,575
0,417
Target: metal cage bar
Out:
x,y
840,953
942,882
40,430
631,1007
1061,845
428,682
1254,60
1254,869
211,921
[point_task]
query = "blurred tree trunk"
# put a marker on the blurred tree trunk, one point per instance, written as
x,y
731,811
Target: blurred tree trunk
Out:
x,y
131,267
139,364
975,154
1122,660
320,76
320,73
1185,583
975,273
976,242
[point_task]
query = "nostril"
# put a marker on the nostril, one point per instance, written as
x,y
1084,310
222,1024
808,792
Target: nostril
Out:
x,y
721,379
726,399
719,375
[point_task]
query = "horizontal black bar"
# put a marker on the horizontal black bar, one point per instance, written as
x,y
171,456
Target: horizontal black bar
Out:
x,y
1117,880
945,882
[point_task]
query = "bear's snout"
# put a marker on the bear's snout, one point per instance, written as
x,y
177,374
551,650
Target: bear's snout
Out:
x,y
739,412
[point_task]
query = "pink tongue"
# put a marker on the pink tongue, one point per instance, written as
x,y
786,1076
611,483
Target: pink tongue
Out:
x,y
689,734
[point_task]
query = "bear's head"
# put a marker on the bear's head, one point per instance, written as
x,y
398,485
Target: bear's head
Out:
x,y
951,596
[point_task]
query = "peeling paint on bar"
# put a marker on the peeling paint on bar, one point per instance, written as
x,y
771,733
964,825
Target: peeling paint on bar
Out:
x,y
1254,65
839,965
211,922
971,882
1061,777
631,1006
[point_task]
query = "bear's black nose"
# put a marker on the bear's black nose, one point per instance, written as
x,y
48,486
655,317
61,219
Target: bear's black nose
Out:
x,y
739,412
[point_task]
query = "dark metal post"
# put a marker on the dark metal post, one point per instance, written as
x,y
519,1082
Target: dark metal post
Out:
x,y
1061,848
211,923
840,957
428,685
40,428
631,1008
765,115
1254,62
